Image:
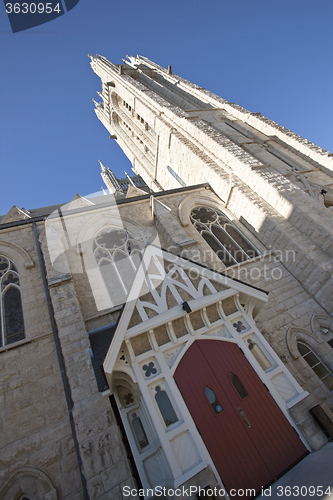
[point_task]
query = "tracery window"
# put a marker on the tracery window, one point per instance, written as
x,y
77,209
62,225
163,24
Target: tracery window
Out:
x,y
11,313
317,366
118,255
222,235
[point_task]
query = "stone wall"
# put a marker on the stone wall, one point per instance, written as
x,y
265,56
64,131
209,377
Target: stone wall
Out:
x,y
104,460
35,437
35,426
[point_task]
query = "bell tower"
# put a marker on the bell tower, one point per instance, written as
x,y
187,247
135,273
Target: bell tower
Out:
x,y
175,133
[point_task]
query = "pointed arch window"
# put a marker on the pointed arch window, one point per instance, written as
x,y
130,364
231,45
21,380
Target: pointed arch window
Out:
x,y
212,398
118,255
238,386
139,431
164,404
317,366
222,235
11,313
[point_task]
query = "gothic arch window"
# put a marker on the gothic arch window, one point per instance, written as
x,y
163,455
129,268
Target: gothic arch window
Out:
x,y
139,431
165,406
11,313
316,365
27,483
118,255
222,235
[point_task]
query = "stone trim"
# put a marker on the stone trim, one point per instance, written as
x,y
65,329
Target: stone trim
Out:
x,y
24,341
295,334
15,486
59,280
319,320
29,263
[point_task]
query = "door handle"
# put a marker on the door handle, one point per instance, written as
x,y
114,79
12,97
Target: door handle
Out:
x,y
244,417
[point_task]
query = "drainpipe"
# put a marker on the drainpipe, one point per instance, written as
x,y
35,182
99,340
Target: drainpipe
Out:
x,y
61,365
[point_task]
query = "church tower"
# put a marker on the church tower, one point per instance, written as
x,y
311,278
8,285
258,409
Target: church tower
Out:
x,y
279,185
176,133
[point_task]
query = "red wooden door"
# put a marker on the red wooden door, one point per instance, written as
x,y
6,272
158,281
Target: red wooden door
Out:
x,y
248,437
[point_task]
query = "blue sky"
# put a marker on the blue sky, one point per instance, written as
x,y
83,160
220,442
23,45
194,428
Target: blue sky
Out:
x,y
269,56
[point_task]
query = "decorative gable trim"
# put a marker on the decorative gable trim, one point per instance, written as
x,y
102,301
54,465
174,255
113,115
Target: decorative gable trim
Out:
x,y
15,214
152,284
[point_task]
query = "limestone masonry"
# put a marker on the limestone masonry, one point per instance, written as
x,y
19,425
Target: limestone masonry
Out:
x,y
176,331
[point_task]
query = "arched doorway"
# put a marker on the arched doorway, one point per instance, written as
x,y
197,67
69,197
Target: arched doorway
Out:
x,y
248,437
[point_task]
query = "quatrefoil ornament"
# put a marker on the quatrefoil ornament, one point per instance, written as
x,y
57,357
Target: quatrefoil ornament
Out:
x,y
149,369
239,326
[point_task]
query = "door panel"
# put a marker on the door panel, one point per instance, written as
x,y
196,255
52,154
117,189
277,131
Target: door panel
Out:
x,y
245,456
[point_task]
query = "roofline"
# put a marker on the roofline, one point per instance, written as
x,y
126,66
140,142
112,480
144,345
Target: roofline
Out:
x,y
123,201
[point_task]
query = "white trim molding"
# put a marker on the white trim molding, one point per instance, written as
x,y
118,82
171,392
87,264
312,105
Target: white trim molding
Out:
x,y
144,355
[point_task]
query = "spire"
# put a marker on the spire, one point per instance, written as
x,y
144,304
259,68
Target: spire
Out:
x,y
110,180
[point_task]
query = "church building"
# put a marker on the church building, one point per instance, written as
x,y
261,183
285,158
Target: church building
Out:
x,y
175,332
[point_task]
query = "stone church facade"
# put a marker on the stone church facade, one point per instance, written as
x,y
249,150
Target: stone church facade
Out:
x,y
178,330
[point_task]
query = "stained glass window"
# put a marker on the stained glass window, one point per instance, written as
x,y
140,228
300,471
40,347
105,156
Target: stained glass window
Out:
x,y
222,236
11,313
165,407
214,402
238,386
314,362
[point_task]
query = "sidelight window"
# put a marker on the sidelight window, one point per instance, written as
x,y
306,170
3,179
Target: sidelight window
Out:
x,y
165,407
139,431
